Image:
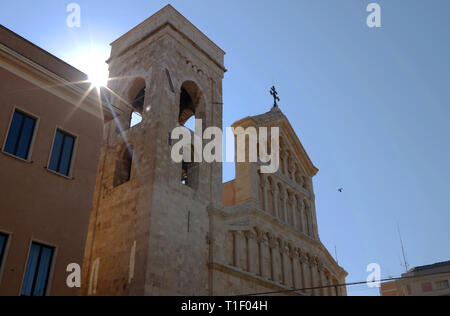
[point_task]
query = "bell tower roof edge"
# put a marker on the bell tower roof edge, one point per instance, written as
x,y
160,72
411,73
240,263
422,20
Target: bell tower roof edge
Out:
x,y
168,17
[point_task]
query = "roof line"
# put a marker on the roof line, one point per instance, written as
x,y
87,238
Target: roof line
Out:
x,y
41,49
158,12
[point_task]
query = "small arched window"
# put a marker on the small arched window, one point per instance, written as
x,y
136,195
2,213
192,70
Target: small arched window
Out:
x,y
188,112
187,107
137,97
138,103
123,168
135,119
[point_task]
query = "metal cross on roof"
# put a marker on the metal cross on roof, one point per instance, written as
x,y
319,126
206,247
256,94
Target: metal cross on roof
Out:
x,y
274,93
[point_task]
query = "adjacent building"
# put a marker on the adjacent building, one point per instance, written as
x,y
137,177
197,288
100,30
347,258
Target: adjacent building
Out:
x,y
428,280
51,127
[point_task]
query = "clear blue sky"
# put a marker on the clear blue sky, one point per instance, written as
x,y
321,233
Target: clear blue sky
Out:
x,y
371,106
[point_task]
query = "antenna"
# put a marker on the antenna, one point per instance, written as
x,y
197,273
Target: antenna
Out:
x,y
405,262
335,253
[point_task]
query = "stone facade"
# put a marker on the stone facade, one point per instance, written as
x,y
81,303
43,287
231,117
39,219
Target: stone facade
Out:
x,y
269,227
161,228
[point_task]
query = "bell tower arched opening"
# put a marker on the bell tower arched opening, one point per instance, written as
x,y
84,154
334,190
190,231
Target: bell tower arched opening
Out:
x,y
137,97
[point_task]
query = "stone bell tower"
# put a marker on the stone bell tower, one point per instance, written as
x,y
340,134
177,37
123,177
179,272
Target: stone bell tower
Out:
x,y
149,229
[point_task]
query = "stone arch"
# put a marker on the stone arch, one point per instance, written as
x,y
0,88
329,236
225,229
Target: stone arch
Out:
x,y
191,105
136,98
191,102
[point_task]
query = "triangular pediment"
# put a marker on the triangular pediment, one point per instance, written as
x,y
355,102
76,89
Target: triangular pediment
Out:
x,y
288,137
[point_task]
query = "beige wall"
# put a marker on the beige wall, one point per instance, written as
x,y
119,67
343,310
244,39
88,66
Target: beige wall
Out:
x,y
389,289
35,204
424,286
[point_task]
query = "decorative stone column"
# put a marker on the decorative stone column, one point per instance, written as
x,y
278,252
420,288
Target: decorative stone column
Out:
x,y
306,272
251,264
330,282
273,245
265,256
293,172
275,199
295,265
261,193
309,228
304,217
284,250
312,210
314,276
236,248
285,156
265,194
323,291
283,213
294,210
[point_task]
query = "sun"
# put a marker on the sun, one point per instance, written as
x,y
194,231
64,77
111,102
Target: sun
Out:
x,y
97,73
98,77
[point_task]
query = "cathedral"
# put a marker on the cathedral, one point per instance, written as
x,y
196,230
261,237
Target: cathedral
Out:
x,y
163,228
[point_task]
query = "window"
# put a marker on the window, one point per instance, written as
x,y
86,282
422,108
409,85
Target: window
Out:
x,y
138,103
136,118
38,270
62,152
442,285
189,110
20,135
3,240
138,107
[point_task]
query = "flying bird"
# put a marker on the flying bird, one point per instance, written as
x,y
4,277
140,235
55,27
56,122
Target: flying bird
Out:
x,y
341,190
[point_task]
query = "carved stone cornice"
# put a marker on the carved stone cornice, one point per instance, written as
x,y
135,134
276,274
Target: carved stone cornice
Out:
x,y
312,260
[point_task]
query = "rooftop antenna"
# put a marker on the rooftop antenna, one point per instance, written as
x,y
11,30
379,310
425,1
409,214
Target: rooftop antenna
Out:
x,y
405,262
335,253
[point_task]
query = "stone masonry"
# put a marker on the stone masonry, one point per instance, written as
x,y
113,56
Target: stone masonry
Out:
x,y
164,228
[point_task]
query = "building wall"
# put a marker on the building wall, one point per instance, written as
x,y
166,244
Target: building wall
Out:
x,y
229,193
389,289
36,204
425,285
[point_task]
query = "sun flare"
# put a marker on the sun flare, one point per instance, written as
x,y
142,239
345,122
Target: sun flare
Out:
x,y
97,73
93,64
